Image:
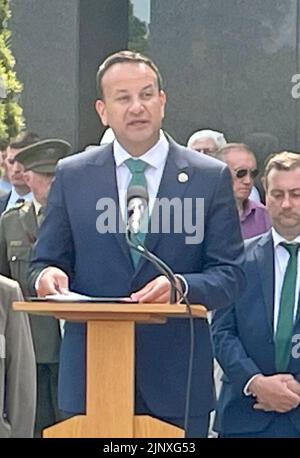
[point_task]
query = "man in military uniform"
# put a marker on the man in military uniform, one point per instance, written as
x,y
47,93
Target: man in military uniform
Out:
x,y
18,232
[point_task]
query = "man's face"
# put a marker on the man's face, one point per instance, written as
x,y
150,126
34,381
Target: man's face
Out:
x,y
39,185
240,160
15,170
283,201
205,145
132,105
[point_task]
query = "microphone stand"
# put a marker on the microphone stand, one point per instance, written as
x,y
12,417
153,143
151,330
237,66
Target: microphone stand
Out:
x,y
159,264
162,267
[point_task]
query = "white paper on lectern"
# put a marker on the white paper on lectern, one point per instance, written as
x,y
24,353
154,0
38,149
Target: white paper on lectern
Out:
x,y
71,296
76,297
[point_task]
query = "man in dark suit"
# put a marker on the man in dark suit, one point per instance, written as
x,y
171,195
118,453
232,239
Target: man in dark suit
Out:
x,y
257,340
18,230
19,190
74,249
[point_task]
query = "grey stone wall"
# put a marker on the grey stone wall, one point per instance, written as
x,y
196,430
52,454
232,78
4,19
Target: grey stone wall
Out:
x,y
228,66
58,45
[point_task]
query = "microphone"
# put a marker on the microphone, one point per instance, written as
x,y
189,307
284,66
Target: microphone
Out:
x,y
137,205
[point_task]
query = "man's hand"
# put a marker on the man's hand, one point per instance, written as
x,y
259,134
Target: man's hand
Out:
x,y
273,394
157,290
52,281
294,386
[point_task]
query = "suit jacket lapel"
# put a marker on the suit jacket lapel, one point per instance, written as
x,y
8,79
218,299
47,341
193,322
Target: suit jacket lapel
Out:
x,y
264,254
170,187
104,176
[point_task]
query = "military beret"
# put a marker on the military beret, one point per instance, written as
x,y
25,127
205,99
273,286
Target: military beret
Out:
x,y
42,156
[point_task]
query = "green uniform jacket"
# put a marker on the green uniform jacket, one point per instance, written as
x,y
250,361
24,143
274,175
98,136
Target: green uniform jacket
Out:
x,y
18,228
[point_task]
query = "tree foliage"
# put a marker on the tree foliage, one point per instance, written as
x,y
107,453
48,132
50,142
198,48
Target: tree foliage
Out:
x,y
11,113
137,32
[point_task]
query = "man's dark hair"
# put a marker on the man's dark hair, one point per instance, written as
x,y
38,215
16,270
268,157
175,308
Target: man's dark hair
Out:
x,y
127,57
25,138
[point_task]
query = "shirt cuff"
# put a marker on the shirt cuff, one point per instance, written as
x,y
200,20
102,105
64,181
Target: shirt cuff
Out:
x,y
246,387
37,281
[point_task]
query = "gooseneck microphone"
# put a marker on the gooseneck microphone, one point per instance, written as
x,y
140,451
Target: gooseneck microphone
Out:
x,y
137,219
137,207
137,212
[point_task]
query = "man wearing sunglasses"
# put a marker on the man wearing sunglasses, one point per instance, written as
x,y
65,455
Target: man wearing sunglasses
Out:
x,y
253,215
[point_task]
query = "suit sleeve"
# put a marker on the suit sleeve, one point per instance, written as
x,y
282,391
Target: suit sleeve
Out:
x,y
49,249
20,391
222,278
237,366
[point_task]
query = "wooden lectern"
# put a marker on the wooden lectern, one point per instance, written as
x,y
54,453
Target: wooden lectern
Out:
x,y
110,367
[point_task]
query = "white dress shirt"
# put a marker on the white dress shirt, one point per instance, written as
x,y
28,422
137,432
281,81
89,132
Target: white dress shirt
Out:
x,y
14,196
281,258
156,159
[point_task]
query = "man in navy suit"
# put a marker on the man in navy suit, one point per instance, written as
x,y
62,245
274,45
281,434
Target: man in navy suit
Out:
x,y
19,192
260,396
72,252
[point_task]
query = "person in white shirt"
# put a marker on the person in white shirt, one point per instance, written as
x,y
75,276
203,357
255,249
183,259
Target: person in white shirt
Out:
x,y
74,252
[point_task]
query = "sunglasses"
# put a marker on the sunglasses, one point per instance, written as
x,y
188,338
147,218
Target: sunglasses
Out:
x,y
241,173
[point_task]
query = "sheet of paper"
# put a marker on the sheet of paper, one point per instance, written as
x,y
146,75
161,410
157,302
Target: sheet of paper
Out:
x,y
71,296
76,297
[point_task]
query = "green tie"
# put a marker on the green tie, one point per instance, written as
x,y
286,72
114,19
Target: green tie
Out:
x,y
284,331
137,168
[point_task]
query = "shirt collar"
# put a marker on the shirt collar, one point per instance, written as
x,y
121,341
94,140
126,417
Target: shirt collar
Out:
x,y
277,238
155,156
15,196
37,205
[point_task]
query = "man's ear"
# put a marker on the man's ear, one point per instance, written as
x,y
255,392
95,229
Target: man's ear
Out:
x,y
26,177
101,110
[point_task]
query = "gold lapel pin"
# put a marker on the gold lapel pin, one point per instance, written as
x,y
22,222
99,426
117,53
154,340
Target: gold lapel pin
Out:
x,y
183,177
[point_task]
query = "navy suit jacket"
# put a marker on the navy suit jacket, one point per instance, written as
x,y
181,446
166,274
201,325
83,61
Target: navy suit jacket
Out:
x,y
101,265
244,344
4,201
